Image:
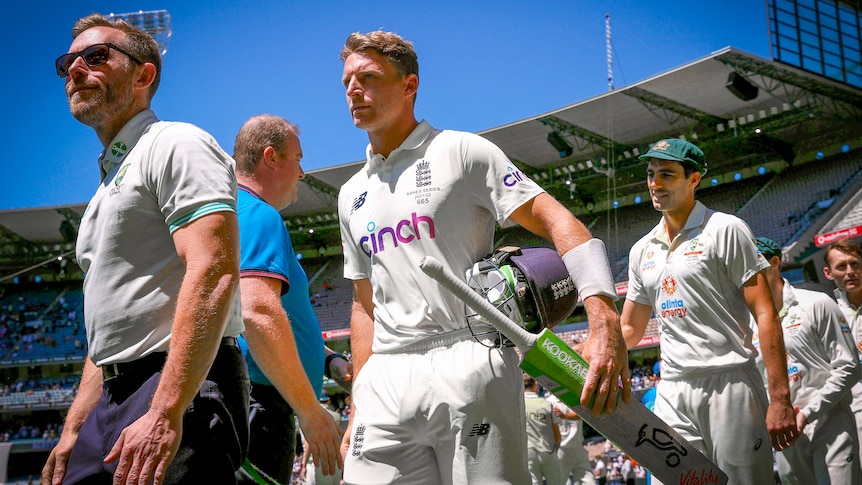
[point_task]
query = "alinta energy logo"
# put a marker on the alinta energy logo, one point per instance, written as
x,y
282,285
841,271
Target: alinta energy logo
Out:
x,y
118,149
794,373
404,231
671,306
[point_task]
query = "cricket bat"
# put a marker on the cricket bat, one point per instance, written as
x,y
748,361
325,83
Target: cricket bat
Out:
x,y
632,427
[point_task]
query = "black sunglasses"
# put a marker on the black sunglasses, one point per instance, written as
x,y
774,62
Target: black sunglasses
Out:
x,y
95,55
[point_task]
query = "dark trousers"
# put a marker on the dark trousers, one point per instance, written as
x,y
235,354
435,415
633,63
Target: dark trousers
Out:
x,y
273,433
215,426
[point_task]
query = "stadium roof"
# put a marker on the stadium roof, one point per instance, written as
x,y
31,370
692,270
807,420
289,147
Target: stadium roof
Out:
x,y
798,114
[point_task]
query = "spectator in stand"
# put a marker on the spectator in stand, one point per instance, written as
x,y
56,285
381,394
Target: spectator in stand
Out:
x,y
600,470
627,471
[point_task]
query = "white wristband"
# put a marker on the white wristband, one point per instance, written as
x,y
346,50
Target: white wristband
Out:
x,y
590,271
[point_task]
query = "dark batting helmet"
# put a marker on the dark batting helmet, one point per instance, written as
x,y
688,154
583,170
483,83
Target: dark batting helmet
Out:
x,y
529,285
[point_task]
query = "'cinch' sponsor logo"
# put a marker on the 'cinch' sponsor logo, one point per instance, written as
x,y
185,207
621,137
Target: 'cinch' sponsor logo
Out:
x,y
513,177
405,232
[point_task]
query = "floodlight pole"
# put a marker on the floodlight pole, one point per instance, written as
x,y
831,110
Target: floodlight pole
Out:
x,y
609,51
157,23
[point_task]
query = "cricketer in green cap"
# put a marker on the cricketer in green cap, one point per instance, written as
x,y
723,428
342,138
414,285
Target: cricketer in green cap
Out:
x,y
677,150
768,248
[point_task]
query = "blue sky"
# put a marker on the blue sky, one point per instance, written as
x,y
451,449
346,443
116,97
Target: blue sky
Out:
x,y
482,65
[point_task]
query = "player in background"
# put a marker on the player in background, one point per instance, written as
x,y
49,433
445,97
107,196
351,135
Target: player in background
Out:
x,y
822,366
436,401
543,437
700,272
573,455
844,267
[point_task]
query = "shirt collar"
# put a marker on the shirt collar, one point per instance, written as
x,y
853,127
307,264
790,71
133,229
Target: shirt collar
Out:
x,y
125,139
696,218
841,297
788,299
414,140
247,189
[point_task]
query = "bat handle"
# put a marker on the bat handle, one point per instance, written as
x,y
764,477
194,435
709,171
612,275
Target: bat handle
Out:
x,y
514,332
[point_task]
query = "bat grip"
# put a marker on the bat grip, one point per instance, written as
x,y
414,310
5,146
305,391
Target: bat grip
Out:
x,y
514,332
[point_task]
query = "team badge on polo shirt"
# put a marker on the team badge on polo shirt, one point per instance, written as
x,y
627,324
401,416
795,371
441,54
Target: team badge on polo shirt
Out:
x,y
694,251
423,192
118,149
121,174
423,173
118,180
793,325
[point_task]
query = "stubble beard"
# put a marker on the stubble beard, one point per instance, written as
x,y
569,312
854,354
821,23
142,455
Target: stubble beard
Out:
x,y
102,106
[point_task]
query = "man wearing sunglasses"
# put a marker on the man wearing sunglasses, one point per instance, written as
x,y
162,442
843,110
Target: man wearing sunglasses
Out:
x,y
164,391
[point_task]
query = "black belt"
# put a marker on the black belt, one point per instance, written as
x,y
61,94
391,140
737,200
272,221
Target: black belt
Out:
x,y
149,364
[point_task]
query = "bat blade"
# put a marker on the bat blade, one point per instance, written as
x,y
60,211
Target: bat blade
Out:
x,y
632,427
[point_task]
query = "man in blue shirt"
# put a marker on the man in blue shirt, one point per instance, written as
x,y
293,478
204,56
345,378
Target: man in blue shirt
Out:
x,y
283,343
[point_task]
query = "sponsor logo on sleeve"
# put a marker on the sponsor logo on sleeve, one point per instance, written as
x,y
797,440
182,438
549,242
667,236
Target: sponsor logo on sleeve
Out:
x,y
513,177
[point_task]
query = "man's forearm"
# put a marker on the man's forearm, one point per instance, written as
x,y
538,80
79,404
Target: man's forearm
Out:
x,y
362,335
89,392
775,361
199,323
273,347
209,248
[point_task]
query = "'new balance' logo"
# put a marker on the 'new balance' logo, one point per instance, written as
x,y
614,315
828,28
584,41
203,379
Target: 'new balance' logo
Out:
x,y
480,429
358,202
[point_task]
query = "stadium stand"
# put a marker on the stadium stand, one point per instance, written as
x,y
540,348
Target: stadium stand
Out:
x,y
794,199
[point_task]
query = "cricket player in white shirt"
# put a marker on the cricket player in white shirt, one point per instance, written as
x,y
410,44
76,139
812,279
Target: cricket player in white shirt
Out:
x,y
822,366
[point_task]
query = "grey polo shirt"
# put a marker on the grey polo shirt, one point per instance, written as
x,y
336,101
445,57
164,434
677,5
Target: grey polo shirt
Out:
x,y
157,176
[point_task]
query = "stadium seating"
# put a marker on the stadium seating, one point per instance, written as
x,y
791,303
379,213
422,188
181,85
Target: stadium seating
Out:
x,y
793,200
